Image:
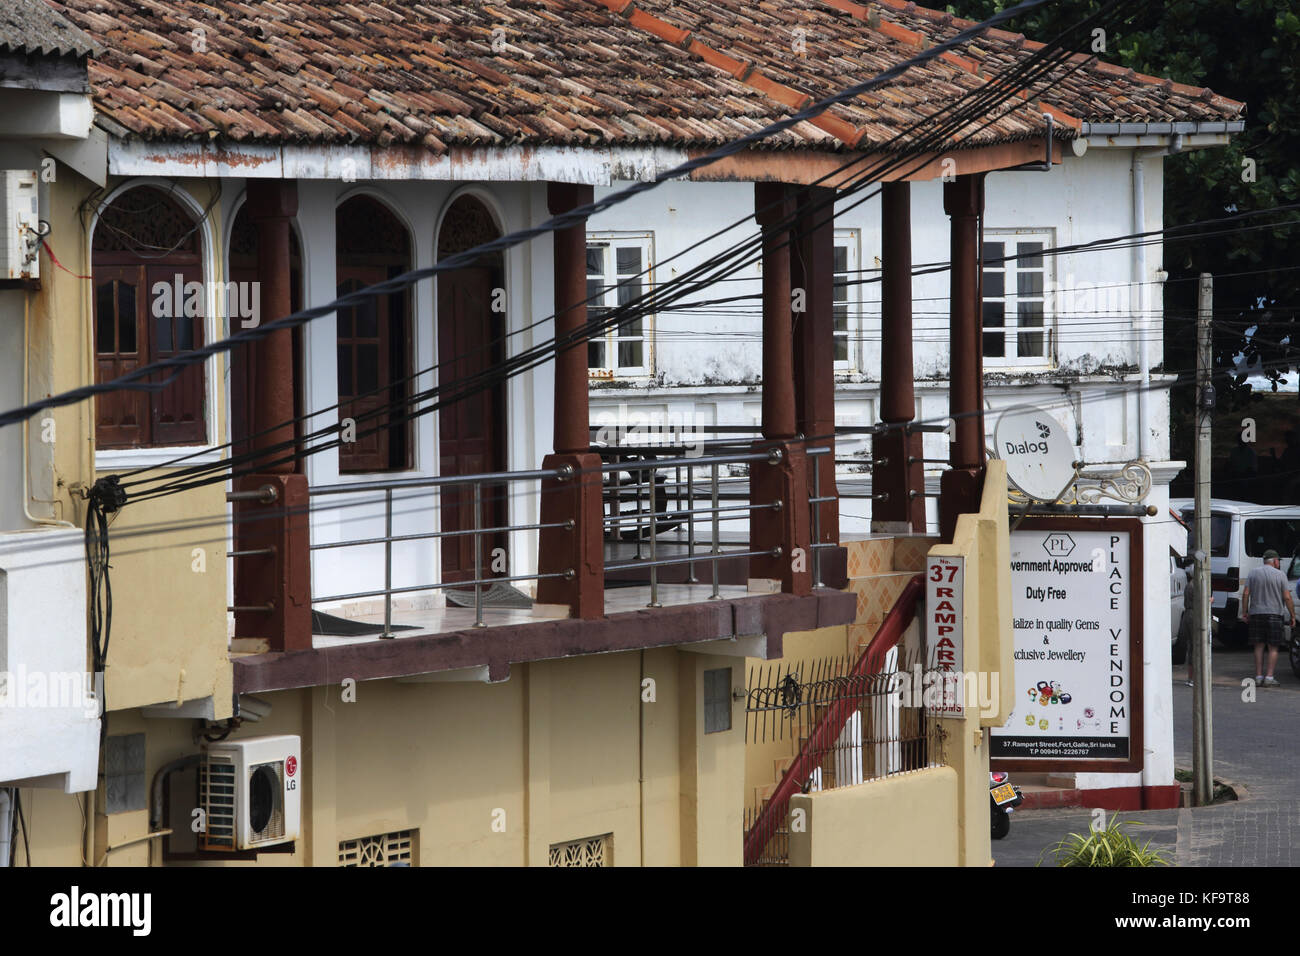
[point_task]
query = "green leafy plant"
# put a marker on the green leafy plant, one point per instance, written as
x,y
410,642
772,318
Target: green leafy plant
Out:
x,y
1107,845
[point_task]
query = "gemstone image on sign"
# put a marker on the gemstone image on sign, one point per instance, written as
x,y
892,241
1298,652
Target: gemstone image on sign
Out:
x,y
1037,450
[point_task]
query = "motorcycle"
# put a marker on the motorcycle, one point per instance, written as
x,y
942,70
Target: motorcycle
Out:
x,y
1004,797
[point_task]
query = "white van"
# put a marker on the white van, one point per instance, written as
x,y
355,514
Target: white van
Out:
x,y
1240,533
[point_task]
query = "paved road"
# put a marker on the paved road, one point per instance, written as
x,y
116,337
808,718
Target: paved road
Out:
x,y
1256,745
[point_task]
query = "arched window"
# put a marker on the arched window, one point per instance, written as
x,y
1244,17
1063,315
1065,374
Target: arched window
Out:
x,y
149,303
374,339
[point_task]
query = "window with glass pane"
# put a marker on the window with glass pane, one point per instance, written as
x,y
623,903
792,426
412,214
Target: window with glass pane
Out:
x,y
1014,309
618,275
845,295
141,315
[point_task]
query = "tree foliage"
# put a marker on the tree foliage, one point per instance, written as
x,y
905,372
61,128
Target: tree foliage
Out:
x,y
1247,50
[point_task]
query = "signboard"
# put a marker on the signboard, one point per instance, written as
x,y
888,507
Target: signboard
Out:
x,y
1038,452
945,577
1076,600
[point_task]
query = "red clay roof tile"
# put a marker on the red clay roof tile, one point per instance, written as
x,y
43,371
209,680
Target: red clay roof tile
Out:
x,y
690,73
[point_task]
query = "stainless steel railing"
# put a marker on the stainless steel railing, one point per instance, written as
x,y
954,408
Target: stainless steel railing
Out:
x,y
646,490
388,539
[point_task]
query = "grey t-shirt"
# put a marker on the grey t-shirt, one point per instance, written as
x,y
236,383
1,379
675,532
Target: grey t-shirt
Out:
x,y
1267,585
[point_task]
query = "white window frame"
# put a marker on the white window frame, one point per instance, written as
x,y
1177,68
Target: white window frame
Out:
x,y
850,239
612,241
1011,298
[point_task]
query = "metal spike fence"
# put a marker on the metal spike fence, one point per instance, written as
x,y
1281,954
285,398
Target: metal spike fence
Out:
x,y
880,735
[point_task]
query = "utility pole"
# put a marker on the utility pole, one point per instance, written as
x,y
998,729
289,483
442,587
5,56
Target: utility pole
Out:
x,y
1202,712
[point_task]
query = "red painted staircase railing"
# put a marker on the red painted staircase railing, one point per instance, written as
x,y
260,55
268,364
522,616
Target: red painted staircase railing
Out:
x,y
832,721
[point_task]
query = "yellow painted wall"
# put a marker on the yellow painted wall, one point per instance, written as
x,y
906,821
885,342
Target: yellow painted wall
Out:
x,y
169,631
984,542
901,820
487,774
169,636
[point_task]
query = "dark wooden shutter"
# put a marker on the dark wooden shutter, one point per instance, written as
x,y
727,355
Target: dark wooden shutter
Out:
x,y
121,346
178,409
364,371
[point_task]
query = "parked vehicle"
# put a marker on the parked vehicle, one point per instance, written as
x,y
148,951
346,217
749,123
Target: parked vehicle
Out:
x,y
1240,533
1003,798
1180,593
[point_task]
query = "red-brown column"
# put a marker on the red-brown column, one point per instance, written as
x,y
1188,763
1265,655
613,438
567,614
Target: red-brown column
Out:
x,y
893,474
577,550
280,580
272,204
812,271
960,487
784,529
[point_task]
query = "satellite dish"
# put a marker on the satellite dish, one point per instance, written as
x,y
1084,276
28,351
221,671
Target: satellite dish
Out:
x,y
1037,450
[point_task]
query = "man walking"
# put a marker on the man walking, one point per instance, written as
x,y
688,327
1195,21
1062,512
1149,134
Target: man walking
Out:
x,y
1262,602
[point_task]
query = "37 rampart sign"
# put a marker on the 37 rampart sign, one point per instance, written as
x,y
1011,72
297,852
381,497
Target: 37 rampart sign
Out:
x,y
945,577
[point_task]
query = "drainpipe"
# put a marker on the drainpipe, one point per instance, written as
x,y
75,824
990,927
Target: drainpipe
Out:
x,y
1142,281
1142,325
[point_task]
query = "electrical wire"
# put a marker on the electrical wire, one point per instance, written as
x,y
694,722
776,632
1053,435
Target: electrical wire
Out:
x,y
135,380
469,388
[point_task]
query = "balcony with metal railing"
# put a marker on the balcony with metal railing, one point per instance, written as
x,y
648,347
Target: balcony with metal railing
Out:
x,y
695,545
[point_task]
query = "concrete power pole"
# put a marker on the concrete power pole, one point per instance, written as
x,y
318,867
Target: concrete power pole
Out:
x,y
1202,705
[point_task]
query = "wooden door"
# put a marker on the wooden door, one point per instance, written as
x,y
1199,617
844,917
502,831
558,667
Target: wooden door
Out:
x,y
364,351
471,430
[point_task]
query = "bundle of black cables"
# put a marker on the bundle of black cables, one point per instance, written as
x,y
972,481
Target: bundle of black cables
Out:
x,y
106,498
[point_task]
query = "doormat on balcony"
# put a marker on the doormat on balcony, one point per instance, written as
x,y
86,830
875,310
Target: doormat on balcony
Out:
x,y
327,625
499,594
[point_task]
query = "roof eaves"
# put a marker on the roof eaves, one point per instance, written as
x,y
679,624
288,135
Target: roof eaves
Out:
x,y
1162,129
1019,40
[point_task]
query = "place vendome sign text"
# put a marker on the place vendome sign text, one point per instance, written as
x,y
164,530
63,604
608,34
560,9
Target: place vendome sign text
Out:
x,y
1076,600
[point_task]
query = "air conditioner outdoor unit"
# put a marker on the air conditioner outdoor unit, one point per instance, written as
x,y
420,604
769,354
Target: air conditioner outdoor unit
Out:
x,y
251,793
19,224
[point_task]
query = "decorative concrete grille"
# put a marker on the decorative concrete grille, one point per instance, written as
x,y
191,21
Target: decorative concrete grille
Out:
x,y
385,849
593,851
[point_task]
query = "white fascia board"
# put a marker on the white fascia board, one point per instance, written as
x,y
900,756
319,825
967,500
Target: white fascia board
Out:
x,y
1194,141
596,167
45,114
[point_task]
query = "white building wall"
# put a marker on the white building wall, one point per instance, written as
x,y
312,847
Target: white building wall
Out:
x,y
421,206
708,363
49,715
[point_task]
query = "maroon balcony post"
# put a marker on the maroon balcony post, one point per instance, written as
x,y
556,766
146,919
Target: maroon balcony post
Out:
x,y
812,270
273,589
961,485
783,481
894,473
576,549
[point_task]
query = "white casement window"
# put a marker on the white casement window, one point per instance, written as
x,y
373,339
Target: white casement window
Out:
x,y
1017,321
619,271
848,298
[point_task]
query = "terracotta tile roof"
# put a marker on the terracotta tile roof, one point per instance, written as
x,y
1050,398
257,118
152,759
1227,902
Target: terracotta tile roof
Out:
x,y
442,73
